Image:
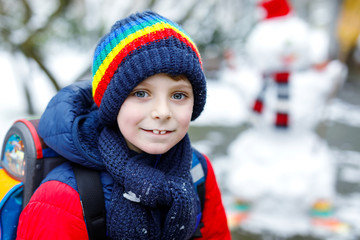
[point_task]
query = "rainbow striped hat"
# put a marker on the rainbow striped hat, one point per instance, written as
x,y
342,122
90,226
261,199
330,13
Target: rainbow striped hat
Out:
x,y
136,48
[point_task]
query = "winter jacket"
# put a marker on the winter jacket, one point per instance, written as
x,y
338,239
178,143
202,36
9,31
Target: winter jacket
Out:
x,y
55,211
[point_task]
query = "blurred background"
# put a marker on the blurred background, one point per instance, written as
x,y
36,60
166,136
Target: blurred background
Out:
x,y
268,175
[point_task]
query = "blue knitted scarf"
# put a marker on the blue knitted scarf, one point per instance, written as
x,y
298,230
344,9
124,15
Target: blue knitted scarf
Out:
x,y
153,196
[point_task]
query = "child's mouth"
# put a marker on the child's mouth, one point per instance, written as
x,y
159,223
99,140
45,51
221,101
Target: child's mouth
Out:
x,y
161,132
158,132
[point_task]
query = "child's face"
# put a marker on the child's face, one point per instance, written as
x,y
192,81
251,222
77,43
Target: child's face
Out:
x,y
157,114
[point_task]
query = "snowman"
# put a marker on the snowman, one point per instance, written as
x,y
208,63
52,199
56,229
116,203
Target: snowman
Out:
x,y
281,174
278,46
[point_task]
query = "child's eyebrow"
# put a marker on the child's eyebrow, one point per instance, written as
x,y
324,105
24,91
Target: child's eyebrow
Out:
x,y
143,84
183,85
178,84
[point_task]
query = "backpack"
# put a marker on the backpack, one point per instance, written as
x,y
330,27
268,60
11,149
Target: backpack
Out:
x,y
25,162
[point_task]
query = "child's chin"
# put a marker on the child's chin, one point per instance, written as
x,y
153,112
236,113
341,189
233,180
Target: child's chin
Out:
x,y
156,151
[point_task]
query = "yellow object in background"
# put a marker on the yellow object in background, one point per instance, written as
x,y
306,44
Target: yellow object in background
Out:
x,y
6,183
348,28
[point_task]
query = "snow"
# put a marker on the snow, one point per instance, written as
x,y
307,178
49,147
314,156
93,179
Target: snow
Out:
x,y
224,105
343,112
277,38
276,157
11,107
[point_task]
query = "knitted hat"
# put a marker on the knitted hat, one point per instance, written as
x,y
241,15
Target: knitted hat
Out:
x,y
136,48
275,8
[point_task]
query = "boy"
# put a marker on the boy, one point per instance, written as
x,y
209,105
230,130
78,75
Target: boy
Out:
x,y
147,86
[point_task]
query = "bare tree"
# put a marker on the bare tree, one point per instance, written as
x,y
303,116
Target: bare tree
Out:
x,y
24,32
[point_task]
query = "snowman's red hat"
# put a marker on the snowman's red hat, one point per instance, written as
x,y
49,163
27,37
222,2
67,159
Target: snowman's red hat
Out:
x,y
275,8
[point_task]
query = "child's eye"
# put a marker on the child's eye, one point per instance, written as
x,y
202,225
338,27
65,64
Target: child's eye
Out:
x,y
178,96
141,94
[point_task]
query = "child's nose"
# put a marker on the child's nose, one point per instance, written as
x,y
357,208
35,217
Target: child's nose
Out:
x,y
161,110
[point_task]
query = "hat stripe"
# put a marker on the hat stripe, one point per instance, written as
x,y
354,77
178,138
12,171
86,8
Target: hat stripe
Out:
x,y
104,72
131,27
128,31
118,35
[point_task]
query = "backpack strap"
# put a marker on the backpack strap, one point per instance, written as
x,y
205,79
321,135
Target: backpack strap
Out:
x,y
92,201
198,174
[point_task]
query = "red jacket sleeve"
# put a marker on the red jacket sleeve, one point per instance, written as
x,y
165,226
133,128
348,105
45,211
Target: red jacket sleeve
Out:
x,y
214,217
53,212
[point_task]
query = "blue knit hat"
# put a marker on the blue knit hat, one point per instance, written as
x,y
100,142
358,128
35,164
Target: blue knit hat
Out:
x,y
136,48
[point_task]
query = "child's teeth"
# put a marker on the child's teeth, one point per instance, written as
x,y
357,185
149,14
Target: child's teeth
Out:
x,y
159,132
